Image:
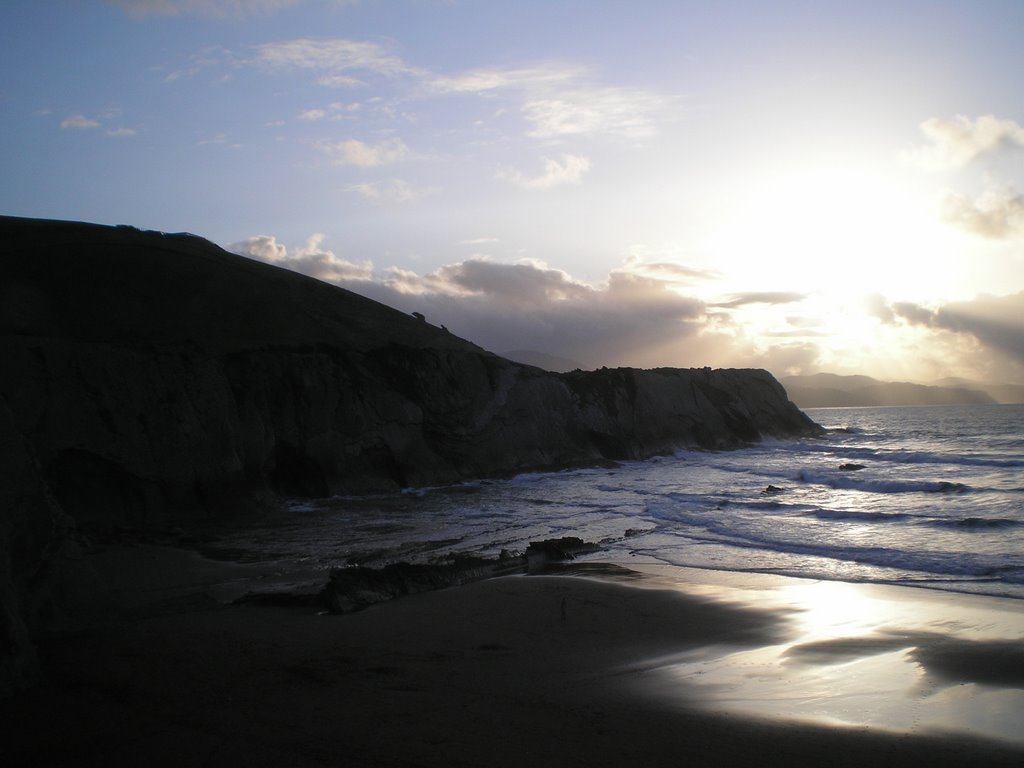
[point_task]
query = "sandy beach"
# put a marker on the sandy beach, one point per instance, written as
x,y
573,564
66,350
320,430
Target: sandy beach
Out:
x,y
597,666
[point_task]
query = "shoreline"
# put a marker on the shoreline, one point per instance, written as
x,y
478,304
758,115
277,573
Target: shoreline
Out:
x,y
655,666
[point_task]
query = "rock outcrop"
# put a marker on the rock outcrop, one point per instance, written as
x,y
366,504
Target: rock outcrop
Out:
x,y
152,380
352,589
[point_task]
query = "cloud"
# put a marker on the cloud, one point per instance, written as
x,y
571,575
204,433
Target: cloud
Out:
x,y
761,297
996,323
798,321
905,311
642,320
667,270
336,110
209,57
558,102
792,358
310,259
629,319
333,61
497,78
878,307
334,57
363,155
218,139
567,170
624,112
528,305
339,81
79,123
210,8
527,284
998,214
958,142
915,313
391,192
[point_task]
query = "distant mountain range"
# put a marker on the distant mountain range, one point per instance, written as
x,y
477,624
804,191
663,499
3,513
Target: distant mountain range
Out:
x,y
829,390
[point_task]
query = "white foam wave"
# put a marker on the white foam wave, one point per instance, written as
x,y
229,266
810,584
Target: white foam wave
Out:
x,y
875,485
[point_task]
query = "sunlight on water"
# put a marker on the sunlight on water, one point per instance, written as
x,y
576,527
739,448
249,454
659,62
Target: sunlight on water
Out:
x,y
929,496
925,497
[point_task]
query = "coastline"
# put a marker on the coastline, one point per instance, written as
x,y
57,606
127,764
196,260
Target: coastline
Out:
x,y
653,665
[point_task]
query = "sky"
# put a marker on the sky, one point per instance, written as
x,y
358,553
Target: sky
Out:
x,y
795,185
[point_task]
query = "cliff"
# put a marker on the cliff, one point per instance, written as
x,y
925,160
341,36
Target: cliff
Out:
x,y
153,380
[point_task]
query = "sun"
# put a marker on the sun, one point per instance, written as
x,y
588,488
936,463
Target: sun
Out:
x,y
836,230
828,238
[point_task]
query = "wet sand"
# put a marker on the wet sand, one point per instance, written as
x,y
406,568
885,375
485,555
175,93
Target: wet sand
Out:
x,y
667,667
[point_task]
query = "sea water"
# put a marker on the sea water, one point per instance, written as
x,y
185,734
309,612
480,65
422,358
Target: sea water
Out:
x,y
928,496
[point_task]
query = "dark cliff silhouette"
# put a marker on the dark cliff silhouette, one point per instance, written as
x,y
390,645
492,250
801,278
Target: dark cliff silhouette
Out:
x,y
151,380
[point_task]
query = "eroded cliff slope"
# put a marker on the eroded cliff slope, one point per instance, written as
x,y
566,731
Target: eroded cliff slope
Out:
x,y
150,380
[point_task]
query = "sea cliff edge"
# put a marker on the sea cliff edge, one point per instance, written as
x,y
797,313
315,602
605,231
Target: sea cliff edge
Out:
x,y
153,380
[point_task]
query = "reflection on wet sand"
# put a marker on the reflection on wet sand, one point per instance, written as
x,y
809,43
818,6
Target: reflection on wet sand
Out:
x,y
888,658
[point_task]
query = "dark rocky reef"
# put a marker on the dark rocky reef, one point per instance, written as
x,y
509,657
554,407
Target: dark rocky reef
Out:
x,y
153,380
355,588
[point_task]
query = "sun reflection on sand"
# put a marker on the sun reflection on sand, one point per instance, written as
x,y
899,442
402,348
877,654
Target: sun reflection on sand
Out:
x,y
836,608
885,658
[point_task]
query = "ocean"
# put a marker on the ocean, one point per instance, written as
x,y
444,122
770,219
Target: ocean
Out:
x,y
929,496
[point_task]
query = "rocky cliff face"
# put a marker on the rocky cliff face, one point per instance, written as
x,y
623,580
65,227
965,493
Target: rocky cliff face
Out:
x,y
151,380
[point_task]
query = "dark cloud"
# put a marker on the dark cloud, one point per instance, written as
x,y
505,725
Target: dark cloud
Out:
x,y
914,313
761,297
996,322
529,306
519,284
632,319
877,306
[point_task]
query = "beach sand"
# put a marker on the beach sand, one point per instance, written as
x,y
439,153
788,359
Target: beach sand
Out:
x,y
597,667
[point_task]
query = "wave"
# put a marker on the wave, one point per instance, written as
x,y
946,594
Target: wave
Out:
x,y
850,483
859,516
976,523
929,457
844,451
931,563
960,523
701,526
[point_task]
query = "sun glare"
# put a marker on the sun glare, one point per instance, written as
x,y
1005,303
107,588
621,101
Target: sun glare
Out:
x,y
838,231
